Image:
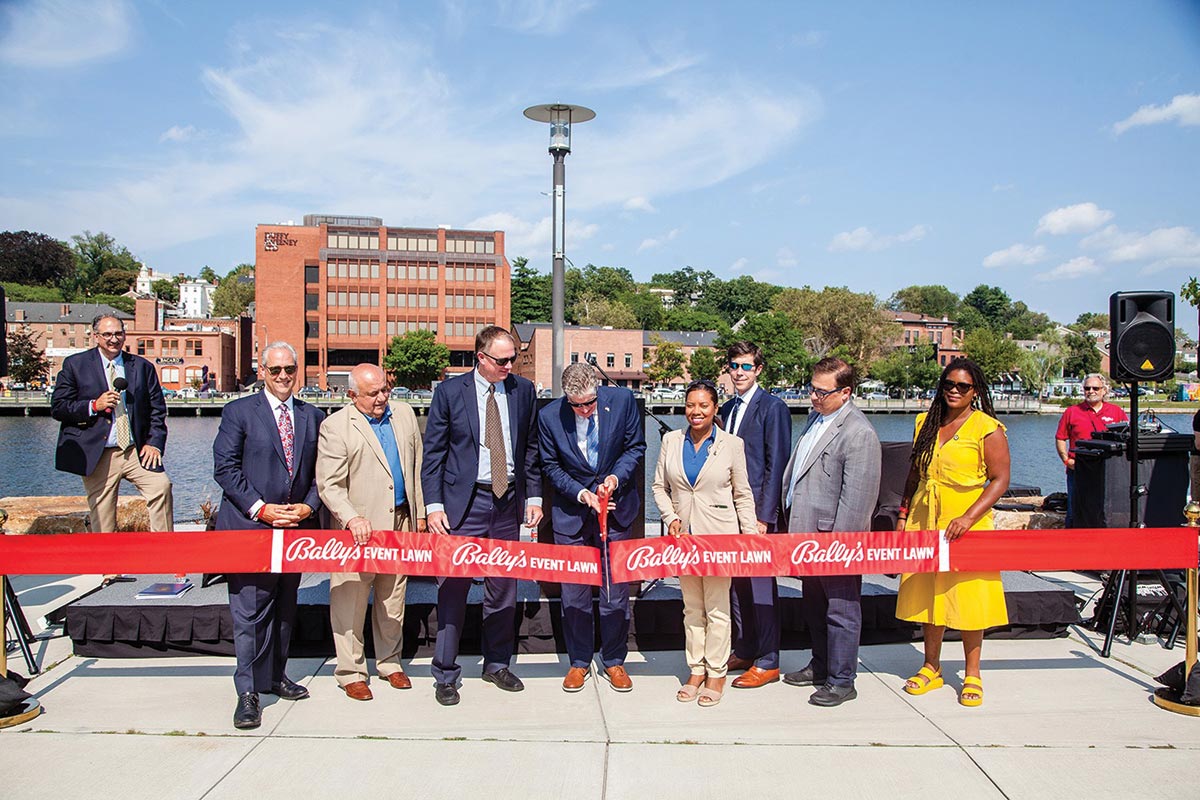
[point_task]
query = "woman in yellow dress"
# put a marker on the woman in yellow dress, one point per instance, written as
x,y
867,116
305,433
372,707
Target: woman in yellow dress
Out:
x,y
960,468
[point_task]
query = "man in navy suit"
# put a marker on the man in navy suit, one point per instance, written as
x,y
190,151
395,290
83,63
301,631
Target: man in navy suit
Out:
x,y
764,424
264,460
481,478
592,443
110,434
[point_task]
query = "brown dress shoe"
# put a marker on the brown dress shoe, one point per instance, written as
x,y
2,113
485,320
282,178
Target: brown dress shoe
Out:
x,y
576,676
398,680
357,691
735,663
619,678
755,677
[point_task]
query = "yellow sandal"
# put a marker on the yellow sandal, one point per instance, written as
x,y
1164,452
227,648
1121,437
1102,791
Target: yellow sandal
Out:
x,y
928,680
972,686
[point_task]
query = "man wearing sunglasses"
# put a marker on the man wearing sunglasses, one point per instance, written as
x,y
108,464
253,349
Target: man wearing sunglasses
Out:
x,y
480,477
264,460
764,424
592,443
1082,421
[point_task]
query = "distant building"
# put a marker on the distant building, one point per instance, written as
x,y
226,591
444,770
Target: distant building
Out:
x,y
146,278
917,329
189,352
62,329
339,288
195,298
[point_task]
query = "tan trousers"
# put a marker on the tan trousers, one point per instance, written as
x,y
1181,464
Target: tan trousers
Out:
x,y
706,627
104,482
348,595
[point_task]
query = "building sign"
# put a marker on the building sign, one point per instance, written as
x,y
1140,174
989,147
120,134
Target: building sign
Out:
x,y
273,239
168,361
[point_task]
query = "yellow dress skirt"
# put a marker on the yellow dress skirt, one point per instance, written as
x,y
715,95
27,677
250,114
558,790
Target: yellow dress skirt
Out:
x,y
957,474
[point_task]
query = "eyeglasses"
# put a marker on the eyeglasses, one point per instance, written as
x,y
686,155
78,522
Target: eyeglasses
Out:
x,y
959,386
500,362
290,369
734,367
113,335
1093,388
584,404
821,394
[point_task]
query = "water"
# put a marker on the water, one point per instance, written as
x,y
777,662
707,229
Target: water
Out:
x,y
27,455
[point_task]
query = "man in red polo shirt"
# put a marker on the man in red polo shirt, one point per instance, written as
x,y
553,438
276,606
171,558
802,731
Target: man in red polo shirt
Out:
x,y
1082,422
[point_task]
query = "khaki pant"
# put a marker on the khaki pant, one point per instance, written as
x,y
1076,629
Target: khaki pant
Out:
x,y
348,595
706,627
104,482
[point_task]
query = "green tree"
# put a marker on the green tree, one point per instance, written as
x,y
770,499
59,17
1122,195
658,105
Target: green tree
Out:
x,y
35,259
235,292
687,283
1091,320
608,282
908,367
118,301
694,319
96,254
647,308
530,293
20,293
704,365
785,359
208,274
837,317
1080,355
1023,323
992,302
1039,367
27,361
113,281
667,362
933,300
593,309
994,353
165,289
416,359
738,298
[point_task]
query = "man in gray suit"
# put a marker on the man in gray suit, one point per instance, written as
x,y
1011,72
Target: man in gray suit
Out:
x,y
832,484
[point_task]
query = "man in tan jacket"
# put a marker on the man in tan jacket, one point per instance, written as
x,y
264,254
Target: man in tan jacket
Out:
x,y
368,477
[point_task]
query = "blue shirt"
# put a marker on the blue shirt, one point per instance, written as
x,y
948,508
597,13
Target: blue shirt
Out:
x,y
693,459
387,440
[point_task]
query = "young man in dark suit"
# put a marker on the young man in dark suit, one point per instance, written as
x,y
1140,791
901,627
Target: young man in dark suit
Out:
x,y
592,444
264,460
481,478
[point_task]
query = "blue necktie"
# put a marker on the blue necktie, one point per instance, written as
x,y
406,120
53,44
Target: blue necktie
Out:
x,y
593,443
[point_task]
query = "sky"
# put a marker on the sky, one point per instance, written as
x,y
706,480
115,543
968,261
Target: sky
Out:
x,y
1051,149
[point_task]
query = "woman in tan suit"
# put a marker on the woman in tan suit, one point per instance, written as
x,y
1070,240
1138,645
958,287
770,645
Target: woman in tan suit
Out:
x,y
700,486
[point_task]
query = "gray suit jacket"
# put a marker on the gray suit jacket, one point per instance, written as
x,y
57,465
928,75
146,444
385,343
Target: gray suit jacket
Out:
x,y
839,480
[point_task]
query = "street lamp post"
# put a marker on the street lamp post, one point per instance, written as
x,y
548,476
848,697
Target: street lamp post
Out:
x,y
560,116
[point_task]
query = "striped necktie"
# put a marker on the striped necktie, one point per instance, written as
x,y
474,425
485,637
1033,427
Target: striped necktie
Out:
x,y
593,443
120,413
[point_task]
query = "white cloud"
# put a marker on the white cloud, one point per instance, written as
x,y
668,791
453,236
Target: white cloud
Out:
x,y
175,133
1160,249
532,239
739,265
1003,187
1079,218
1070,270
810,38
630,64
1014,255
1183,109
865,239
545,17
650,244
639,204
784,257
64,33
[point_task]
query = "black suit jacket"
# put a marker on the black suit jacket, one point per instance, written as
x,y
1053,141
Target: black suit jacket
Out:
x,y
249,465
82,435
766,432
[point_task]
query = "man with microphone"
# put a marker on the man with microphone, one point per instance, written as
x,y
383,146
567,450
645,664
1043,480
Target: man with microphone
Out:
x,y
113,427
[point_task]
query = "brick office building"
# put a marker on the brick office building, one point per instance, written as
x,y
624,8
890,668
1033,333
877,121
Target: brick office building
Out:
x,y
918,329
186,351
339,288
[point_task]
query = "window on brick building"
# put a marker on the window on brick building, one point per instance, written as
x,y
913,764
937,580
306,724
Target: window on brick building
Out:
x,y
611,360
312,274
628,360
312,301
170,347
195,347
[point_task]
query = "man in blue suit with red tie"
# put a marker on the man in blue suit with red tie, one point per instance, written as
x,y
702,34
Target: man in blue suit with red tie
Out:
x,y
480,477
764,424
264,460
592,442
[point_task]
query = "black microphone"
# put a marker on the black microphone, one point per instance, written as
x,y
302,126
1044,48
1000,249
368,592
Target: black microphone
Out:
x,y
120,384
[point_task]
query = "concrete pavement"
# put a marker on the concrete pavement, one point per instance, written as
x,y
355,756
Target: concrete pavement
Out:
x,y
1057,721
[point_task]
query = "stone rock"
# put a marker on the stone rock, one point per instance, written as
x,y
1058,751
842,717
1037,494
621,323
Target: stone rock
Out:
x,y
1037,519
67,514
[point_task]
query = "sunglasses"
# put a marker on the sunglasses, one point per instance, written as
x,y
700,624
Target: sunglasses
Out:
x,y
959,386
821,394
734,367
1093,388
500,362
583,404
290,369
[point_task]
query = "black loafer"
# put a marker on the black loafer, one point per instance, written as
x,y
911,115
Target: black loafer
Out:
x,y
248,715
505,680
288,689
803,677
829,695
446,694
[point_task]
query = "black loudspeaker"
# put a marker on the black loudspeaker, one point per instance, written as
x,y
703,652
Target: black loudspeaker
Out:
x,y
1102,485
1142,343
3,333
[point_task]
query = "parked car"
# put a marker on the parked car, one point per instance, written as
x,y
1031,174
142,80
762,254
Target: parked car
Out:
x,y
309,391
666,394
876,396
170,394
790,394
421,394
188,394
401,393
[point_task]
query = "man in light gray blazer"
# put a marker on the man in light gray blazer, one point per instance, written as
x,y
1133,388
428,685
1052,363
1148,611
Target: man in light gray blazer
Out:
x,y
831,483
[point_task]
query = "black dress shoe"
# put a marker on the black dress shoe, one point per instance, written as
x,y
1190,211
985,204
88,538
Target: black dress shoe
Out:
x,y
446,694
505,680
803,677
247,714
288,689
830,695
